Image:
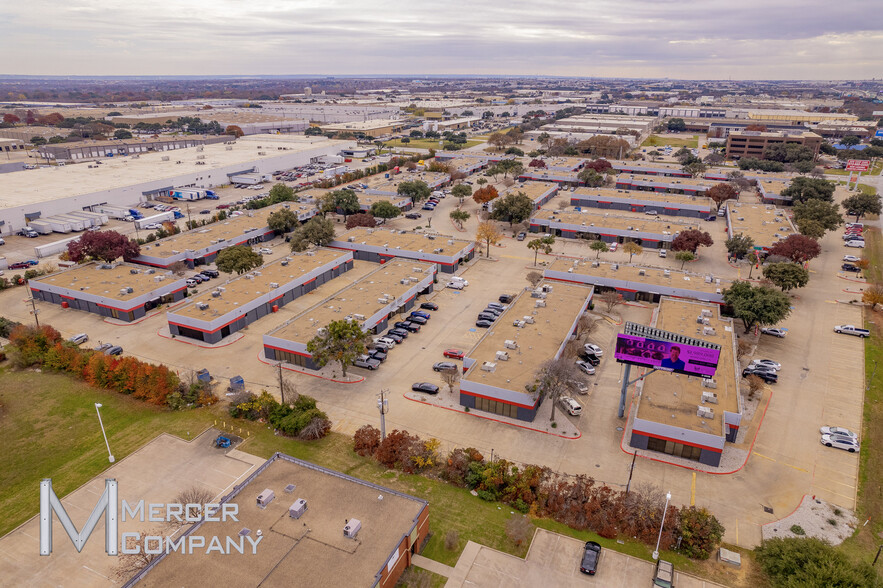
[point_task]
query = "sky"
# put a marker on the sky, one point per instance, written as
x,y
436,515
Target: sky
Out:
x,y
687,39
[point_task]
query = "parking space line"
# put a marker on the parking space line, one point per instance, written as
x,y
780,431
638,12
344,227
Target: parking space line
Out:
x,y
763,456
799,469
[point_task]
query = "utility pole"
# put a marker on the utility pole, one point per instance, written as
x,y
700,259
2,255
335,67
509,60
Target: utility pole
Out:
x,y
631,471
383,407
189,222
33,309
281,383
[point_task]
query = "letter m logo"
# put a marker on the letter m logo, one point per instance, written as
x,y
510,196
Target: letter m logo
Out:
x,y
107,504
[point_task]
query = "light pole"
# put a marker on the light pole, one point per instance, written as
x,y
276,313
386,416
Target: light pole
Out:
x,y
383,407
658,539
110,457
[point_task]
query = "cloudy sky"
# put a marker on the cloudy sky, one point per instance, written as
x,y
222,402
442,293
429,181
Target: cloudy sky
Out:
x,y
744,39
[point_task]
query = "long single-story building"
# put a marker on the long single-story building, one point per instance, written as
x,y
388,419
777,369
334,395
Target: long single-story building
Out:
x,y
122,291
216,313
381,245
644,230
675,186
691,417
653,169
636,282
664,203
764,223
373,302
533,329
539,192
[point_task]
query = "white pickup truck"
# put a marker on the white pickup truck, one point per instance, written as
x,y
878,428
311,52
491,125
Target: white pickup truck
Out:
x,y
852,330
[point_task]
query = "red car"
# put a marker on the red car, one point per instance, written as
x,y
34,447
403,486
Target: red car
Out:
x,y
19,265
454,353
222,206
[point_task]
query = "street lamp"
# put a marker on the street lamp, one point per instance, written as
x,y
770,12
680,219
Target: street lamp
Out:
x,y
658,539
109,454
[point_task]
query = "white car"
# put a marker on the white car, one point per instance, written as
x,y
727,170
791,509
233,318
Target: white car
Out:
x,y
768,363
570,405
838,432
152,226
851,258
836,441
581,387
775,332
592,348
586,367
855,243
266,251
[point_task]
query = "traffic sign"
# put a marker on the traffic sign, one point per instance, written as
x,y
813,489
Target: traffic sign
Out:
x,y
859,165
879,133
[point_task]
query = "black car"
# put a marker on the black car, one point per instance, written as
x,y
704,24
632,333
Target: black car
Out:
x,y
848,267
444,365
417,320
493,311
379,355
506,298
211,273
408,326
484,324
425,387
429,306
402,333
397,338
413,215
589,357
487,316
770,377
113,350
711,217
205,277
591,557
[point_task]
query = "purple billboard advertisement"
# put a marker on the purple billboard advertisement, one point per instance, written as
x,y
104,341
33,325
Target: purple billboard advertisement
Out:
x,y
667,355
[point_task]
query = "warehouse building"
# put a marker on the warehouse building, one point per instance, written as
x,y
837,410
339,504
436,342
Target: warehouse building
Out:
x,y
568,164
686,186
663,203
764,223
316,527
122,291
374,128
83,150
564,178
647,231
686,416
229,307
653,169
468,165
637,282
755,143
380,246
388,183
127,181
374,301
539,192
534,329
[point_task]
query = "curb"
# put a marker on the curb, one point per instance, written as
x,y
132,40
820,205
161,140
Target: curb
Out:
x,y
263,360
495,420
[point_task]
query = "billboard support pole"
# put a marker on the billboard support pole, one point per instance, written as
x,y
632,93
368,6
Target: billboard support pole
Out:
x,y
626,384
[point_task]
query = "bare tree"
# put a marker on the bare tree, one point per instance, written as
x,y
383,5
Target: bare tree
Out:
x,y
195,495
414,577
534,278
317,428
755,385
611,299
518,529
179,267
743,348
554,379
585,326
450,378
129,564
452,539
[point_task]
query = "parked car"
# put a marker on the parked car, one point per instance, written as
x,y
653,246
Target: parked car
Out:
x,y
211,273
429,306
855,243
367,362
454,353
590,358
651,212
413,215
421,314
113,350
104,346
664,575
205,277
572,407
591,557
663,253
384,345
581,387
151,226
410,326
403,333
848,267
198,278
852,330
484,324
428,207
394,336
767,376
79,339
443,365
222,206
205,211
487,316
496,305
592,348
612,246
506,298
417,320
19,265
774,331
851,258
711,217
379,355
494,311
845,443
768,364
585,367
838,431
424,387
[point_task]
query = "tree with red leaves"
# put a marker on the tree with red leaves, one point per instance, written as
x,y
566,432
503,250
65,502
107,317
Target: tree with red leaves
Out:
x,y
599,165
797,248
234,130
361,219
539,163
690,240
720,193
485,194
10,118
102,245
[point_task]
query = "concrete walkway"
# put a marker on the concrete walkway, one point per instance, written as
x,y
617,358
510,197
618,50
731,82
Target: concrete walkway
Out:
x,y
432,566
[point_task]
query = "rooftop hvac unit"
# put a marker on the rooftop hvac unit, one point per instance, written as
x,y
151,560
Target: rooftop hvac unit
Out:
x,y
284,262
666,273
150,271
321,331
708,330
596,264
705,412
450,241
359,317
416,269
710,383
215,294
382,300
133,271
570,270
430,237
709,279
352,528
124,291
489,366
540,304
265,498
297,509
641,272
158,278
519,324
201,305
614,266
509,344
502,356
702,320
405,281
705,312
351,239
528,319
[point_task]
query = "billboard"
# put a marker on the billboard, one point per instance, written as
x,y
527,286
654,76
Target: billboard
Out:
x,y
859,165
670,356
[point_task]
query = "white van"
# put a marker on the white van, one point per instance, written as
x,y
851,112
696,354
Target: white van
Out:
x,y
663,253
459,280
456,285
570,405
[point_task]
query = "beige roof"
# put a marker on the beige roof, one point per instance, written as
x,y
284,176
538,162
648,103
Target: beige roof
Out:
x,y
108,282
661,197
241,289
391,184
405,241
360,298
619,219
765,223
632,273
311,551
537,342
532,189
673,399
363,125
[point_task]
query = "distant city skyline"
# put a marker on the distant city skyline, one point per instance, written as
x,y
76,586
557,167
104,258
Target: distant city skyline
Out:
x,y
784,39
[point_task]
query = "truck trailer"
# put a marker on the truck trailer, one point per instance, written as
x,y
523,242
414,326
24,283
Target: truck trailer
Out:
x,y
41,226
163,217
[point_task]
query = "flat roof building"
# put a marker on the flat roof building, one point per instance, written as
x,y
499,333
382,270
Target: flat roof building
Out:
x,y
381,245
570,164
638,282
316,528
764,223
532,330
373,302
85,150
685,416
689,186
642,201
121,291
375,128
567,178
755,143
652,169
214,314
388,183
468,165
539,192
618,227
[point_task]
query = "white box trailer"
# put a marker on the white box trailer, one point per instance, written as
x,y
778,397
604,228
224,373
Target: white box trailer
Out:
x,y
159,219
250,179
187,194
335,171
52,248
111,211
58,225
100,219
41,226
77,224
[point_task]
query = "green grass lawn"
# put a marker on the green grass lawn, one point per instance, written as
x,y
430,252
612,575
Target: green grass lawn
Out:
x,y
427,143
662,141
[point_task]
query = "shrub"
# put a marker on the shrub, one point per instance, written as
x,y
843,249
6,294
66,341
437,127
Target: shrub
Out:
x,y
6,326
797,530
452,539
811,562
301,419
701,532
366,440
